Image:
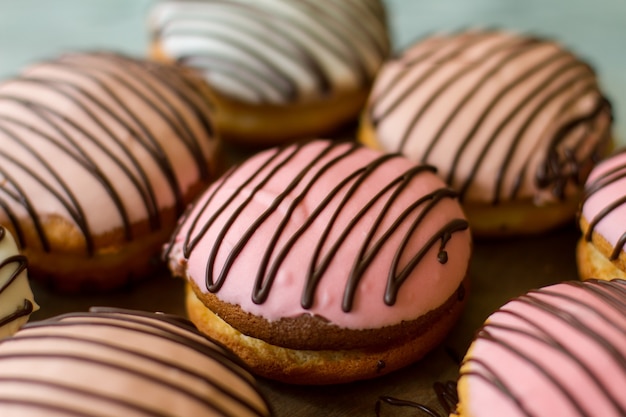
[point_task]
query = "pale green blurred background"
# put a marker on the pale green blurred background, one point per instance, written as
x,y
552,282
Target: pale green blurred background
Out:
x,y
596,30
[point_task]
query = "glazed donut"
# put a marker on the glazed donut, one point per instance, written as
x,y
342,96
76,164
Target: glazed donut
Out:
x,y
112,362
513,123
105,153
556,351
324,262
280,69
602,220
16,297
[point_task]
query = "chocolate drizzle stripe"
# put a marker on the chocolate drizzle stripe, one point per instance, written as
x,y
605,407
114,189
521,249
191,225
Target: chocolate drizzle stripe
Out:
x,y
20,263
611,293
305,179
149,84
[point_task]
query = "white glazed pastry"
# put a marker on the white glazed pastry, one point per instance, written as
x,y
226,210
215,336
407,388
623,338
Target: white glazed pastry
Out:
x,y
514,123
113,363
105,153
281,69
16,298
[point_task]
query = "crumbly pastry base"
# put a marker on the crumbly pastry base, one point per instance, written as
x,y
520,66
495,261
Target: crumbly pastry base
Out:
x,y
327,366
593,257
257,126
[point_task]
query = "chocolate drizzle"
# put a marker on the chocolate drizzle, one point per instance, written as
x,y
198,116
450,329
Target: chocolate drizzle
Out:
x,y
556,78
20,263
99,355
311,176
301,35
609,177
101,125
494,332
446,395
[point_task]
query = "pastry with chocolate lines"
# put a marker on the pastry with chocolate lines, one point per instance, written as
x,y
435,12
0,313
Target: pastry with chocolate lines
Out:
x,y
556,351
101,154
324,262
281,70
602,220
110,362
513,122
16,297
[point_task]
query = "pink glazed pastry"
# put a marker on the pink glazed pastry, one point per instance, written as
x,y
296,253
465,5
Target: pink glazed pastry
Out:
x,y
602,220
102,154
325,262
112,363
513,123
556,351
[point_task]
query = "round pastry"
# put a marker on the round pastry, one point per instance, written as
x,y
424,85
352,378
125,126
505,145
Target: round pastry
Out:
x,y
556,351
16,298
280,69
105,153
513,123
111,363
602,219
324,262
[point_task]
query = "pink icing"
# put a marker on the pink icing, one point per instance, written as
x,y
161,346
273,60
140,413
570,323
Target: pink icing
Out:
x,y
560,351
501,116
428,285
604,188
